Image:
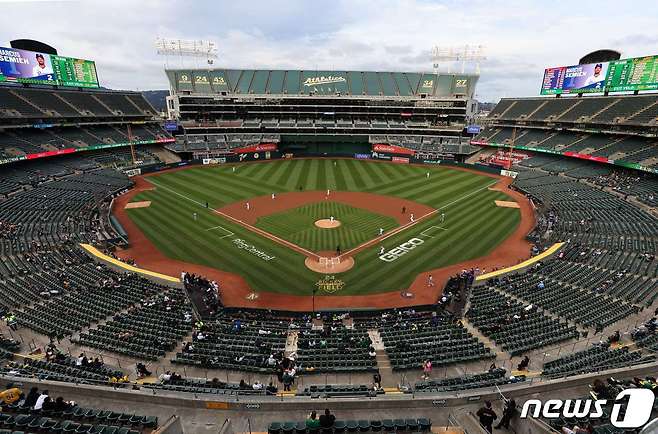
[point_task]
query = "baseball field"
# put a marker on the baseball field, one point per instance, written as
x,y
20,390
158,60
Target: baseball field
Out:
x,y
264,221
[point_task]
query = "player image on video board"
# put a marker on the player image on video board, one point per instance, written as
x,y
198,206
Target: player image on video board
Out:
x,y
26,66
585,78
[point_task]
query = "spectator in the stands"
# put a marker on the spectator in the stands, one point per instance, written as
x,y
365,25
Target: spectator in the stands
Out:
x,y
327,419
312,422
487,416
141,370
377,380
61,405
508,414
257,385
31,398
40,400
523,365
271,389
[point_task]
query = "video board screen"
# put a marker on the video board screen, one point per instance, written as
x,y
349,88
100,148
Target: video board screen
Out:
x,y
575,79
30,67
640,73
75,72
634,74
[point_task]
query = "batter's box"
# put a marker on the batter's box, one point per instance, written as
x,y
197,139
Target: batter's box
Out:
x,y
432,231
226,233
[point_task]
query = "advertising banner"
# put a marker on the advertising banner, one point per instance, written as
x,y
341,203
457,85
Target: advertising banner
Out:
x,y
391,149
31,67
171,125
262,147
403,160
473,129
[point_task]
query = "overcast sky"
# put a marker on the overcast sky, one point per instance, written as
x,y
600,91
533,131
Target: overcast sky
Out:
x,y
521,37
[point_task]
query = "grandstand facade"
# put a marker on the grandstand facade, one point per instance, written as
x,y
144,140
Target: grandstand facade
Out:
x,y
42,122
317,112
620,130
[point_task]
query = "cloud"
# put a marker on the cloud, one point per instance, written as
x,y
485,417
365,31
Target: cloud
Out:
x,y
522,37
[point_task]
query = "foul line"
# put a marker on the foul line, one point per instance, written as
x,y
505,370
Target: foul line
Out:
x,y
100,255
415,222
241,223
548,252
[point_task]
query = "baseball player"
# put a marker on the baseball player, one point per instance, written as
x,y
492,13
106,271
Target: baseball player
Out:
x,y
331,219
247,206
381,231
411,217
430,280
273,196
427,174
443,217
381,250
194,215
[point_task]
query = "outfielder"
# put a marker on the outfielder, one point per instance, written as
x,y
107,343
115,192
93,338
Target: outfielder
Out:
x,y
381,231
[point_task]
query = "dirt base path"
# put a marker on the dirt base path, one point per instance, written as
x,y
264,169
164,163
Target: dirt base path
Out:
x,y
235,289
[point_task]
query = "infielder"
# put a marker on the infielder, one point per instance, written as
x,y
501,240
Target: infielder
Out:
x,y
194,215
247,206
331,219
381,250
381,231
443,217
411,217
430,280
273,196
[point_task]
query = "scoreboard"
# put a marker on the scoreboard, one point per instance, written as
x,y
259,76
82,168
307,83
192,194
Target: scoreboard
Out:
x,y
75,72
633,74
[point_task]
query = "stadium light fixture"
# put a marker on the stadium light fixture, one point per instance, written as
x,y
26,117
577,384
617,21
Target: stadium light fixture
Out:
x,y
182,48
463,54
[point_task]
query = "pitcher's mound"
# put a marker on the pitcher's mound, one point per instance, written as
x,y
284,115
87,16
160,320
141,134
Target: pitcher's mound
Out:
x,y
329,265
327,223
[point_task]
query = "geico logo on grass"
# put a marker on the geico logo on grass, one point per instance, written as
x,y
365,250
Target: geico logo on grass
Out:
x,y
638,408
400,250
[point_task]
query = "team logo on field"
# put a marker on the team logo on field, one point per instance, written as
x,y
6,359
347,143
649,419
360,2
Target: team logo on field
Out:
x,y
330,284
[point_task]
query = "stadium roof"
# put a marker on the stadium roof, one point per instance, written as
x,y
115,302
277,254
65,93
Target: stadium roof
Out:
x,y
297,82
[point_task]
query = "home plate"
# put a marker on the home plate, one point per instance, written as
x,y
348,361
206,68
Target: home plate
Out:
x,y
507,204
143,204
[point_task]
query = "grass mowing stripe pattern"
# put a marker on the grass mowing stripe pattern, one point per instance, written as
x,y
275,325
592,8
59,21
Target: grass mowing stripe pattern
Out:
x,y
475,225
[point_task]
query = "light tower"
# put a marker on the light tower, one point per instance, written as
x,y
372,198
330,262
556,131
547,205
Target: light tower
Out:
x,y
463,54
182,48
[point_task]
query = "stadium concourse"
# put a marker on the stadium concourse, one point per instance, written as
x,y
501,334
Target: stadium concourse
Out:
x,y
131,351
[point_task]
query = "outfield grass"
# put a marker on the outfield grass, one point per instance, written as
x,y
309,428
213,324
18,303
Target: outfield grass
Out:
x,y
474,224
298,226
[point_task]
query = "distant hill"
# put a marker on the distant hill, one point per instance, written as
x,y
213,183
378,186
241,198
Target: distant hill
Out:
x,y
157,99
